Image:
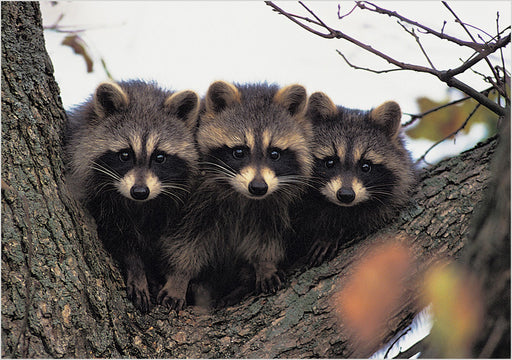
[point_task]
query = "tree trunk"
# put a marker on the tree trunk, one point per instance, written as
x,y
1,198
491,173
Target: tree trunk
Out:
x,y
63,296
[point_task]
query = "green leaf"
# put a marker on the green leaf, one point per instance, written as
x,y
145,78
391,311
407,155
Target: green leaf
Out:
x,y
446,121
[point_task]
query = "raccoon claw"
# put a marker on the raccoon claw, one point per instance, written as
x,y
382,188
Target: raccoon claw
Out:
x,y
322,250
172,302
138,293
173,293
269,284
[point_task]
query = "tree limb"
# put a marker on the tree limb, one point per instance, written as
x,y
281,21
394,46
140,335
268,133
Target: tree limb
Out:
x,y
446,76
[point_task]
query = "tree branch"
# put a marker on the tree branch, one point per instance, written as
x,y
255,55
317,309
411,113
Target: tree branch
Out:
x,y
446,76
419,116
471,36
417,38
366,69
422,158
474,45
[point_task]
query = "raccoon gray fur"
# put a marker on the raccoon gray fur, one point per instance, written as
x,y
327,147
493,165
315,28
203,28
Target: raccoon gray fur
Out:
x,y
363,175
254,144
131,161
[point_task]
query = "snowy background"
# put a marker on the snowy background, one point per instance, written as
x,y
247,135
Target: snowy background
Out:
x,y
187,45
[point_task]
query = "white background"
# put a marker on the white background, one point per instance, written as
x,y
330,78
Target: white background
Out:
x,y
187,45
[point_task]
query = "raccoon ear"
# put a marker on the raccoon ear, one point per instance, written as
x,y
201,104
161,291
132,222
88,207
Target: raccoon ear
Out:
x,y
388,115
109,98
320,106
293,98
184,105
221,95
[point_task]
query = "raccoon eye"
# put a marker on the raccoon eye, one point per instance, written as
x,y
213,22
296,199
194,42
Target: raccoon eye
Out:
x,y
160,158
238,153
366,166
275,154
124,156
329,163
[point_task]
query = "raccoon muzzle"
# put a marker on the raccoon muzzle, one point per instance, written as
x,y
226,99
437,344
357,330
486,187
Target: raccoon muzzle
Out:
x,y
258,187
139,192
345,195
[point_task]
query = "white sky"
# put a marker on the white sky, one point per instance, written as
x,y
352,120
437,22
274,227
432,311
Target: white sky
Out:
x,y
189,44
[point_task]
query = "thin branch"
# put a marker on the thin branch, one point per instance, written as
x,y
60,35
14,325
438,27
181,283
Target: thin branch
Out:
x,y
335,34
477,28
447,76
394,342
367,69
507,99
474,45
416,37
293,18
420,346
472,38
419,116
422,158
442,29
316,17
340,17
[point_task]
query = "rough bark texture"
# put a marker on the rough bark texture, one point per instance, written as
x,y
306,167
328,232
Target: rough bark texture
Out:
x,y
63,296
488,255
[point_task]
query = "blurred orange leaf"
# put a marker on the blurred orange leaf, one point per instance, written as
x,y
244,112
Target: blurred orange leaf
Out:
x,y
374,290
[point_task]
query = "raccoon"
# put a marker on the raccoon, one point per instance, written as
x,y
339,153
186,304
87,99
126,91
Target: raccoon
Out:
x,y
132,160
362,176
254,145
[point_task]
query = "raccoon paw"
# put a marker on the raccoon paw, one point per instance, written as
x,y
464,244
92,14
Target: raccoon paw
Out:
x,y
138,293
269,283
173,303
322,250
173,293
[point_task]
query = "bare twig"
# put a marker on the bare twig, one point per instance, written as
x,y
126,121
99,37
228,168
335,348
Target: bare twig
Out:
x,y
367,69
483,50
394,342
347,14
415,117
374,8
507,100
477,28
472,38
416,37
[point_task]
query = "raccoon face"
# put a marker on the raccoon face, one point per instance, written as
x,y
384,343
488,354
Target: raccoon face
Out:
x,y
150,151
256,146
356,156
350,181
139,176
256,172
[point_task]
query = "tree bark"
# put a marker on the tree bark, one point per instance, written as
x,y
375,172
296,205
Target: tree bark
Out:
x,y
63,296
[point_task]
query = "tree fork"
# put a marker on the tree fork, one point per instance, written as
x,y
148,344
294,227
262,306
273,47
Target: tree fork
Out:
x,y
63,296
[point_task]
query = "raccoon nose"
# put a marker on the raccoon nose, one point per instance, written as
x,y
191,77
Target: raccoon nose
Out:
x,y
258,188
139,192
346,196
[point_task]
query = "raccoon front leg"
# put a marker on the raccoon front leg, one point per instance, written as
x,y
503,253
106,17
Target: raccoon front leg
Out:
x,y
136,282
185,257
322,250
268,278
265,257
174,292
